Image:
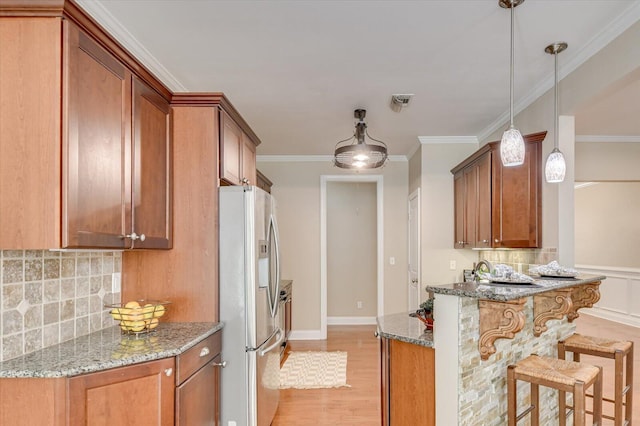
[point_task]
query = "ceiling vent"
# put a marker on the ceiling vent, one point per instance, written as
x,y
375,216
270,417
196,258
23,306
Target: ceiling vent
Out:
x,y
398,102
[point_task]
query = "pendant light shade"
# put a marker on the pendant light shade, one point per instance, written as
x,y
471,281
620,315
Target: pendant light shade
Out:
x,y
512,145
555,167
355,153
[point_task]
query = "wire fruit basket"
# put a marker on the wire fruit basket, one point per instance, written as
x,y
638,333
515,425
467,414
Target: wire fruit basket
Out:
x,y
138,316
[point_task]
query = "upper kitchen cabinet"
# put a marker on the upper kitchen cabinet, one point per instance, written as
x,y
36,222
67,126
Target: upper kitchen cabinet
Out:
x,y
237,153
263,182
84,136
497,206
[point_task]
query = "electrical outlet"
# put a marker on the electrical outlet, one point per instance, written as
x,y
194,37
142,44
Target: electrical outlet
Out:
x,y
452,265
359,304
392,261
116,283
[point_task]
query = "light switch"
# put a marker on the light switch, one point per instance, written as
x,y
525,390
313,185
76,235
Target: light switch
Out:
x,y
452,265
392,260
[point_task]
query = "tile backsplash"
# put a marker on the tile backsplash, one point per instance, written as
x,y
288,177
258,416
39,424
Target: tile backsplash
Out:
x,y
520,260
49,297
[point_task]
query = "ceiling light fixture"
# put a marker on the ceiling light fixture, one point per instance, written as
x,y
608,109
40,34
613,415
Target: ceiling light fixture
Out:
x,y
556,167
512,144
355,153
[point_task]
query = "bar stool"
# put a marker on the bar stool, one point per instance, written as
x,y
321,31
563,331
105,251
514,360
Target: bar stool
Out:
x,y
622,353
565,376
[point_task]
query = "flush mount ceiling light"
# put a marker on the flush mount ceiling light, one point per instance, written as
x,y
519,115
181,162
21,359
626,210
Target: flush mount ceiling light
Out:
x,y
355,153
512,144
555,168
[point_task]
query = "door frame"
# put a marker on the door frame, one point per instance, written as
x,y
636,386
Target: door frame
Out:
x,y
414,195
378,180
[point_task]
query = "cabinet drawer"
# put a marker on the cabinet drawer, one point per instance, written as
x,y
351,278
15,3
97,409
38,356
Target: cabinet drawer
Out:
x,y
196,357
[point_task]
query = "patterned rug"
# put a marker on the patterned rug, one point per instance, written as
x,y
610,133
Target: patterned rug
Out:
x,y
314,370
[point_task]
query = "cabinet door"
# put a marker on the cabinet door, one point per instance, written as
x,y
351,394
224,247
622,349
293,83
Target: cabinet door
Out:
x,y
517,200
197,399
230,150
96,99
470,202
249,172
483,204
137,394
150,168
458,189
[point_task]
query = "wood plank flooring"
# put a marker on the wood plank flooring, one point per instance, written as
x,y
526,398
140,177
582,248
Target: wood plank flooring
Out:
x,y
356,405
360,404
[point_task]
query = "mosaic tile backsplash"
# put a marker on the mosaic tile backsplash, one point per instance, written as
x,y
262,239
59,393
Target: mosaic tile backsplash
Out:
x,y
49,297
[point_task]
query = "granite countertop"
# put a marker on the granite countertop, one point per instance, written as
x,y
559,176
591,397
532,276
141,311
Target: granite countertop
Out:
x,y
285,285
106,349
404,328
505,292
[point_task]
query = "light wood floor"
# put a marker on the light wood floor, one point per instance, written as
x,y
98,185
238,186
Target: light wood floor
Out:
x,y
356,405
360,404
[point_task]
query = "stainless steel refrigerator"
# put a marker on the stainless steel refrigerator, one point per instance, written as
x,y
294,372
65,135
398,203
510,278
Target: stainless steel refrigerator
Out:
x,y
249,293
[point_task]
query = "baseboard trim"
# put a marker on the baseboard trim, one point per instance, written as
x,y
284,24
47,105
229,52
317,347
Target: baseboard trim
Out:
x,y
613,316
306,335
351,320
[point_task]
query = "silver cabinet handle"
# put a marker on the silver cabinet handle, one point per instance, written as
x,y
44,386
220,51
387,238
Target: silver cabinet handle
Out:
x,y
168,372
222,364
135,236
204,351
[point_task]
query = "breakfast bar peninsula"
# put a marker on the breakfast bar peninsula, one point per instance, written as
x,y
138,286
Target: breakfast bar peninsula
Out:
x,y
481,328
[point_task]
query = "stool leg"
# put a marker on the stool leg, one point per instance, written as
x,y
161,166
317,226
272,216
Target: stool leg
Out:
x,y
561,352
629,382
562,408
535,401
578,404
597,399
512,398
618,386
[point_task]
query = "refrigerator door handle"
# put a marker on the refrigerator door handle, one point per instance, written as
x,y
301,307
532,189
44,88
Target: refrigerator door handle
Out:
x,y
274,293
278,342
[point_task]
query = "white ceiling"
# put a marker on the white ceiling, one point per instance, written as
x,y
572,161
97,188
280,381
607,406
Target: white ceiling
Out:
x,y
296,69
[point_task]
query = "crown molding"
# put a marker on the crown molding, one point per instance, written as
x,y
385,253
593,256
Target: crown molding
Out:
x,y
447,139
312,158
98,12
608,139
597,43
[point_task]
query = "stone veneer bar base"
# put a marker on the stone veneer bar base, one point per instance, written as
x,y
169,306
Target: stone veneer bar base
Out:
x,y
472,391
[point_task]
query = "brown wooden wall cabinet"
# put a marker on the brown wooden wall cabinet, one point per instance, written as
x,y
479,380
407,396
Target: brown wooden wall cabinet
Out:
x,y
496,206
263,182
85,147
407,384
237,153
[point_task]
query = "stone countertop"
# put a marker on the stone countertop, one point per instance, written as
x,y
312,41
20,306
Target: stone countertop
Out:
x,y
506,292
106,349
285,285
404,328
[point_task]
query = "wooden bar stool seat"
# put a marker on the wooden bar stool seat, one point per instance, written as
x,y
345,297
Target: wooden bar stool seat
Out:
x,y
622,354
565,376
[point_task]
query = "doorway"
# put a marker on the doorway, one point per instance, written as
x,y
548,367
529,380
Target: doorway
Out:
x,y
414,251
378,245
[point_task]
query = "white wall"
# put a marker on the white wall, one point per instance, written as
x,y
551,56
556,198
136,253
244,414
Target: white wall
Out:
x,y
436,182
607,161
351,249
296,187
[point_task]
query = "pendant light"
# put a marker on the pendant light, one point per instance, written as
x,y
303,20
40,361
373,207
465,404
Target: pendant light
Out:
x,y
355,153
555,168
512,145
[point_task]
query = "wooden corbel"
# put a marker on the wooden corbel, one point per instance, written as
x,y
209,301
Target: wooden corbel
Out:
x,y
499,320
583,296
550,305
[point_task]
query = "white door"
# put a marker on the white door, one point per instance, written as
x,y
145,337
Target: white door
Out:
x,y
414,250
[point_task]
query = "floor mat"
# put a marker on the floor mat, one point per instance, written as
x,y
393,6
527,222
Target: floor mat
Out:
x,y
314,370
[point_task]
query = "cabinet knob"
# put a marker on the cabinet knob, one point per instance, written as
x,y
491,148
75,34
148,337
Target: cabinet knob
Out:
x,y
222,364
375,333
485,241
496,240
415,280
204,351
168,372
135,236
246,181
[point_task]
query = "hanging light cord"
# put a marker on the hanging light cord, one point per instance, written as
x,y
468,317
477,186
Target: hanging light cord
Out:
x,y
555,102
511,70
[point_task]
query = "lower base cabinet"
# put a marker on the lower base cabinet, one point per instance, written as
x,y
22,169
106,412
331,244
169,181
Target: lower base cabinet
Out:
x,y
182,390
407,384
